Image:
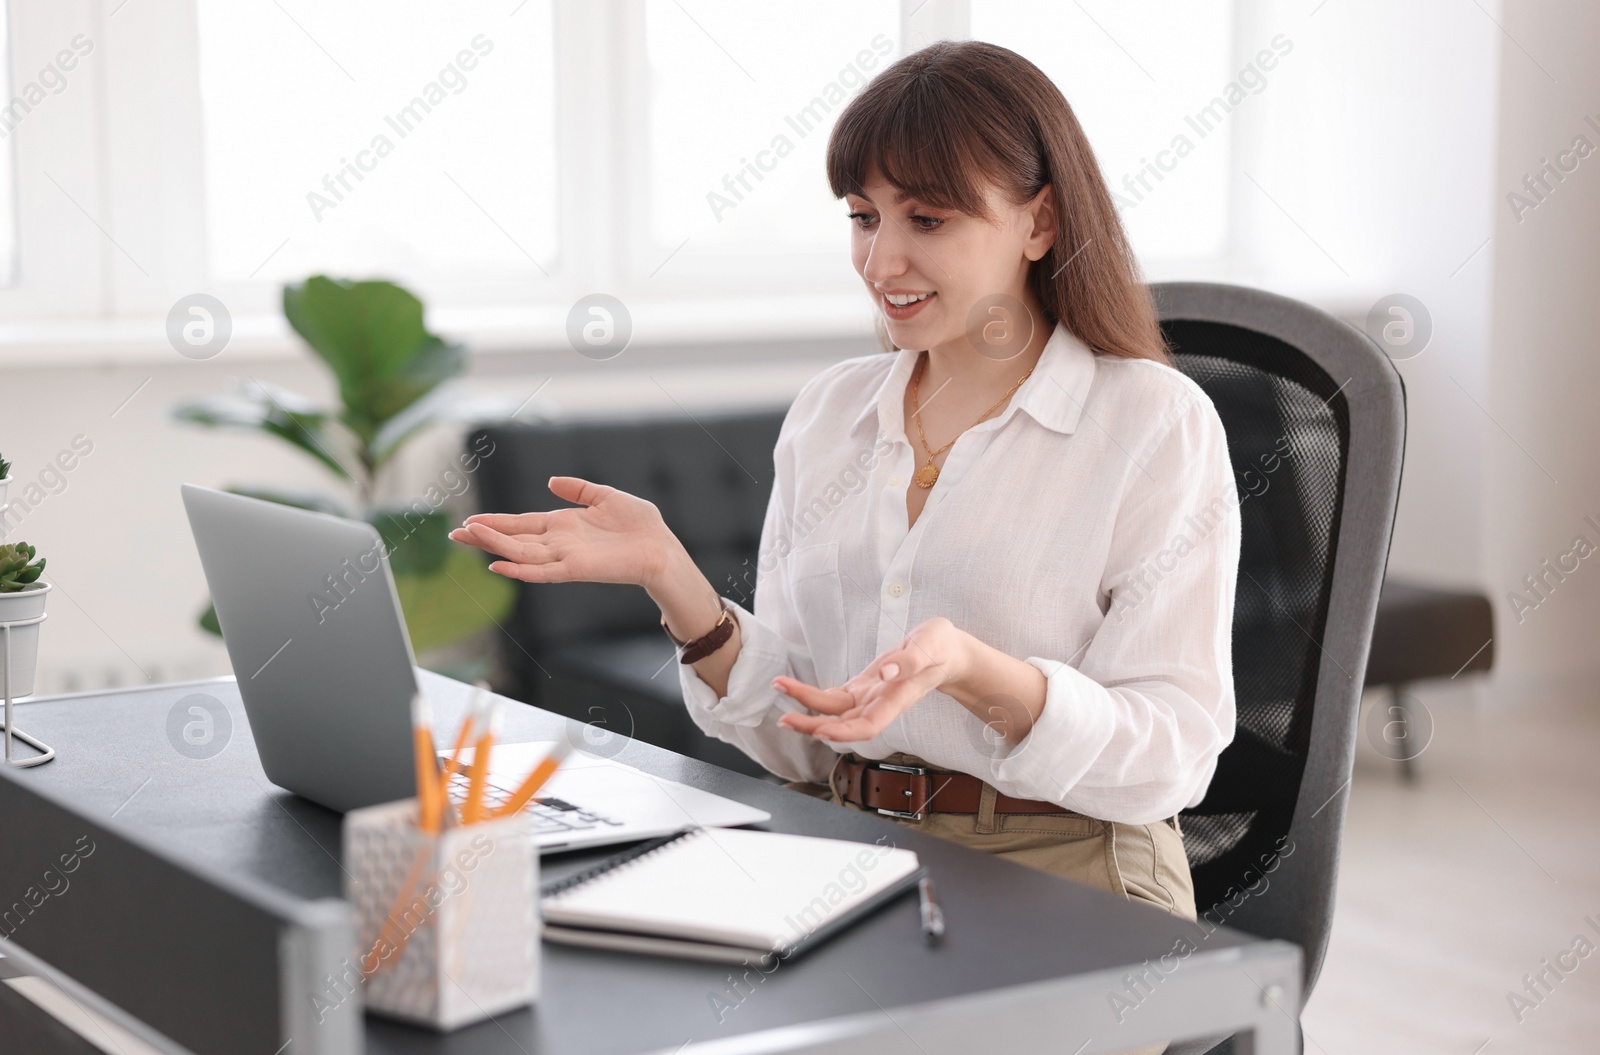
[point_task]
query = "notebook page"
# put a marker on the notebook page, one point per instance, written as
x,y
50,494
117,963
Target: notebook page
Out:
x,y
755,889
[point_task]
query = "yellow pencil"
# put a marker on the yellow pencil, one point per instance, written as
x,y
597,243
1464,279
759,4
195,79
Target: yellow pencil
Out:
x,y
428,789
472,809
453,766
535,780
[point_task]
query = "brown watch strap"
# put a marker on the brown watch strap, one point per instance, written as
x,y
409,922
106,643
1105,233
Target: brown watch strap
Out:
x,y
872,786
708,642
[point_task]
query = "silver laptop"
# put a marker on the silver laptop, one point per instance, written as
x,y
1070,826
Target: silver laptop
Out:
x,y
319,647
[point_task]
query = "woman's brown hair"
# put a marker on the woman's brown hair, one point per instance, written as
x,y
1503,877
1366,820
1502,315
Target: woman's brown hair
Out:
x,y
943,123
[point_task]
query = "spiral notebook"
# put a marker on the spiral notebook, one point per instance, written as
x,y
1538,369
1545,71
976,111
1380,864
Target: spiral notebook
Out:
x,y
725,894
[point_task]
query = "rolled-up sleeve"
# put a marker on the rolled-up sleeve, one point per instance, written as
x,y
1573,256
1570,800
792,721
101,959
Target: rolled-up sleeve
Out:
x,y
771,644
1131,732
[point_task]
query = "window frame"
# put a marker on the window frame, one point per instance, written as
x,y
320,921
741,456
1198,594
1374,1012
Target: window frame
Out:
x,y
98,273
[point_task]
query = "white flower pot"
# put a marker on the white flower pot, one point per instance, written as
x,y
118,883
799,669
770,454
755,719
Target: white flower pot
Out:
x,y
27,603
5,481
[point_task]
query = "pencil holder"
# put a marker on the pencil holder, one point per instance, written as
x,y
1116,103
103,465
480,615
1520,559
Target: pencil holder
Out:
x,y
448,923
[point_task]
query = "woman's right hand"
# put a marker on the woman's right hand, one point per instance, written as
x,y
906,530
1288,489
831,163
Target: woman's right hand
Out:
x,y
611,536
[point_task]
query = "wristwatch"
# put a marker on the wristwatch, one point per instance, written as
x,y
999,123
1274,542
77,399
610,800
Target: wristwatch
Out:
x,y
707,643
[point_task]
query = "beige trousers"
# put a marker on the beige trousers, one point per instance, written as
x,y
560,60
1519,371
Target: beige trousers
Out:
x,y
1141,862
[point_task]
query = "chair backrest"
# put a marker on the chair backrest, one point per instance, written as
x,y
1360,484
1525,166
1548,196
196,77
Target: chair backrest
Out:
x,y
1315,417
710,475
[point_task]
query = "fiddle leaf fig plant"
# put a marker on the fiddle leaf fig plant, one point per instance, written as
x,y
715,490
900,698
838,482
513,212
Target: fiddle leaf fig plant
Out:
x,y
390,372
18,568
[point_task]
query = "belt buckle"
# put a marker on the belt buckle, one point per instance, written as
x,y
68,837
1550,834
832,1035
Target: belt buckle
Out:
x,y
916,771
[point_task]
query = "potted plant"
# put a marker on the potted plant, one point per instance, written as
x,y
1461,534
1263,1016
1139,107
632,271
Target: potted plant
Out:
x,y
389,370
5,480
22,597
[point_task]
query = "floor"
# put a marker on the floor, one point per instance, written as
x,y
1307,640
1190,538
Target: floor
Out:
x,y
1454,888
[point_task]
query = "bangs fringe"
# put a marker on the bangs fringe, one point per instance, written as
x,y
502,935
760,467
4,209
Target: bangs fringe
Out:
x,y
899,128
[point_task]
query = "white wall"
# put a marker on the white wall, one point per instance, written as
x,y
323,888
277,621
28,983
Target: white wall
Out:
x,y
1544,368
1375,143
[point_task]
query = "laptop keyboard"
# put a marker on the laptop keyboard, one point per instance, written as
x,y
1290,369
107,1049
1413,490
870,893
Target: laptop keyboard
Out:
x,y
550,814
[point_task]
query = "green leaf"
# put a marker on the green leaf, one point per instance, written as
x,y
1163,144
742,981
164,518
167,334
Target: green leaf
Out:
x,y
371,334
276,411
418,541
208,621
15,569
428,410
461,599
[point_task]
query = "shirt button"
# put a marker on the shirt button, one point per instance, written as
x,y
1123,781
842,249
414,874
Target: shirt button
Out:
x,y
896,589
895,481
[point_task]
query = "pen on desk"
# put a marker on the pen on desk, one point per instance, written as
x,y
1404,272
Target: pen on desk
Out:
x,y
535,780
472,810
932,914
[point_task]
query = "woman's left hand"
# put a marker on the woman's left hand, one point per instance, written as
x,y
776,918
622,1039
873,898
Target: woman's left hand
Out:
x,y
932,656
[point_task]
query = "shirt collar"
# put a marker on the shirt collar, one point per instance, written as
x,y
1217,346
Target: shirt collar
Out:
x,y
1053,395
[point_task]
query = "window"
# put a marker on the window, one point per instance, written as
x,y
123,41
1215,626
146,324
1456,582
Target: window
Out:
x,y
506,161
410,139
739,117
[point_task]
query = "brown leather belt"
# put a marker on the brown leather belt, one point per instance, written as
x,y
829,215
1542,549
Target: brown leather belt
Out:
x,y
912,791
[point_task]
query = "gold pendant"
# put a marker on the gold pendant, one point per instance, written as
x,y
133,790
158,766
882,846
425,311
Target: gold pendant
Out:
x,y
927,475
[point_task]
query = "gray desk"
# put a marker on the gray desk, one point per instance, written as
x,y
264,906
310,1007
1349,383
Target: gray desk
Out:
x,y
1031,962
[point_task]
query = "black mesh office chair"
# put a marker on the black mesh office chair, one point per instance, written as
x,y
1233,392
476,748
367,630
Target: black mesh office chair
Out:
x,y
1315,416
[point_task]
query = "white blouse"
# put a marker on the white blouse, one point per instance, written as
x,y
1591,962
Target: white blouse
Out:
x,y
1092,529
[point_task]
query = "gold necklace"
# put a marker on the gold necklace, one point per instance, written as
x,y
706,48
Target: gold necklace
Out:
x,y
928,475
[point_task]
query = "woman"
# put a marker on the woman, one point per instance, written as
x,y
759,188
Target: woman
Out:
x,y
1016,634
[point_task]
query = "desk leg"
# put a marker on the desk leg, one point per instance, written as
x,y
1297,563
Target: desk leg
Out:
x,y
1277,1032
1408,757
1280,1038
